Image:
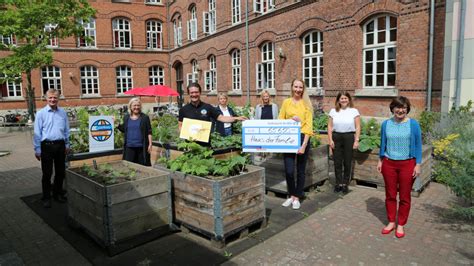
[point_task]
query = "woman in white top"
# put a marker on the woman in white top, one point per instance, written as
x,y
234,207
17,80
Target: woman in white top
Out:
x,y
343,133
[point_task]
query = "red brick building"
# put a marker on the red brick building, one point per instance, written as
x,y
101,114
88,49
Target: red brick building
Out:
x,y
376,49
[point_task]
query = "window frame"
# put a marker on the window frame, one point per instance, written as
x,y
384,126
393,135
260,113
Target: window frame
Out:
x,y
265,70
7,40
263,6
210,81
53,41
120,79
90,32
236,65
236,11
177,29
122,33
11,86
192,24
154,34
156,75
317,55
54,79
209,18
90,82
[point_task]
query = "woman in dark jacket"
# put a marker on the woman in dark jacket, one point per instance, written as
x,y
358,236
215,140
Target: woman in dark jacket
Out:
x,y
225,129
137,134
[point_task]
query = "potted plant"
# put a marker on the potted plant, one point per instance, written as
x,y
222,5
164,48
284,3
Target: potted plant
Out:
x,y
118,201
215,197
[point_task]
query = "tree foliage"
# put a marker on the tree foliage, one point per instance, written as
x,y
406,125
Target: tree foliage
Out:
x,y
26,20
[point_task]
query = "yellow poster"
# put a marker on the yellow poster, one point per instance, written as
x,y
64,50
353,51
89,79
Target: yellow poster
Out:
x,y
197,130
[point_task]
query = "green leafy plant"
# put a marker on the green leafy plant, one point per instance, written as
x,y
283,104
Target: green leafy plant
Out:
x,y
369,138
106,174
198,160
165,128
233,141
427,121
245,110
320,121
315,140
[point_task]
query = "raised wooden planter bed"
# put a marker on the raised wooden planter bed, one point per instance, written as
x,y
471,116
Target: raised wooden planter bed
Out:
x,y
160,150
365,169
316,170
116,215
219,208
79,159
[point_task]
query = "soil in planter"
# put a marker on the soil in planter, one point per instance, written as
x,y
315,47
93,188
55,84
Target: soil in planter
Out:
x,y
109,174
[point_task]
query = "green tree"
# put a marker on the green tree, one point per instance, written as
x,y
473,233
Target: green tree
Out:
x,y
26,20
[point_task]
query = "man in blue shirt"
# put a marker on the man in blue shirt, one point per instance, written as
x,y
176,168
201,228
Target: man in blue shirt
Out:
x,y
51,144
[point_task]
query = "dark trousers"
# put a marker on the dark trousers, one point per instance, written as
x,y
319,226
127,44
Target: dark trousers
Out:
x,y
343,149
398,176
227,131
134,155
53,153
296,188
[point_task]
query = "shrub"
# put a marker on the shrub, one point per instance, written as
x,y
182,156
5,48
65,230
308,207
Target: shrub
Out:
x,y
320,121
369,135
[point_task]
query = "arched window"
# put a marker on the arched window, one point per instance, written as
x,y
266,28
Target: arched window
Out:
x,y
236,70
51,78
313,60
236,10
177,28
194,75
210,82
157,76
89,32
153,34
209,23
124,78
10,88
122,33
380,52
266,69
89,80
192,24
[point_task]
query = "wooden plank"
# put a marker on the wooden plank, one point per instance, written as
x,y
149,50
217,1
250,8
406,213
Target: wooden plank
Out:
x,y
194,185
237,184
93,225
101,159
138,188
206,207
200,220
247,202
84,186
149,221
137,207
243,218
85,204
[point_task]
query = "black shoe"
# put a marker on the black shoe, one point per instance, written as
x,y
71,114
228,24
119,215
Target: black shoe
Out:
x,y
337,189
345,189
47,203
60,198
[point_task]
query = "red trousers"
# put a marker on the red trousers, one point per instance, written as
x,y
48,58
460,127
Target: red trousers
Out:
x,y
398,176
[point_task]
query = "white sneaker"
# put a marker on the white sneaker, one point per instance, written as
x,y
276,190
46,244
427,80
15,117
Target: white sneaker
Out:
x,y
287,202
296,204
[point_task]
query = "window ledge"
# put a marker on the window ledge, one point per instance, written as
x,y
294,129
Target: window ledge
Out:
x,y
211,93
11,99
121,95
316,92
234,93
91,96
376,92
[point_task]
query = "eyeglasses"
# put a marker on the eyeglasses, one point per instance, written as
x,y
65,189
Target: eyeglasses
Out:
x,y
403,107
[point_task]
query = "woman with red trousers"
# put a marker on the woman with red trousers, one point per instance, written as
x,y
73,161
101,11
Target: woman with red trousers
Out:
x,y
399,163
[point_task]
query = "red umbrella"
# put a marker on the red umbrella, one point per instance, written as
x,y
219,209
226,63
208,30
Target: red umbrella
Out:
x,y
134,91
158,90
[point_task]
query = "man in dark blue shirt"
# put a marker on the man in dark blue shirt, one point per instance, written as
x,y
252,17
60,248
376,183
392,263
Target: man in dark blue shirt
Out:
x,y
51,144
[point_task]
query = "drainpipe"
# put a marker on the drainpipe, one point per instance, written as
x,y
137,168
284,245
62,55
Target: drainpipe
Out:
x,y
430,57
460,57
247,49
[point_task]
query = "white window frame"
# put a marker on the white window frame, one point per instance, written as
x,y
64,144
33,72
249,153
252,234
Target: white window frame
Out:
x,y
263,6
192,24
122,33
154,36
7,39
52,76
265,71
13,88
210,81
194,75
385,47
153,2
178,34
313,63
90,32
53,40
209,18
89,80
236,70
156,75
124,78
236,12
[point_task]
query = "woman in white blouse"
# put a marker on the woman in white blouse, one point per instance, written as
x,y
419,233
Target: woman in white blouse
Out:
x,y
343,133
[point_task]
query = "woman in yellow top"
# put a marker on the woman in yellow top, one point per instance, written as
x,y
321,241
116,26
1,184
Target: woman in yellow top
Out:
x,y
299,109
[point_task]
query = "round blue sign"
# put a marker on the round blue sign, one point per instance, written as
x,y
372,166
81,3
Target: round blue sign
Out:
x,y
101,130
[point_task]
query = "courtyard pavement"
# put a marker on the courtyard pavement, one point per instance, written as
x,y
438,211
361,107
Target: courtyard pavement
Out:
x,y
346,232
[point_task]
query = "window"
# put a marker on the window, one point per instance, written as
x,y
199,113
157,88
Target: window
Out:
x,y
157,76
211,75
7,39
153,34
153,2
313,60
122,33
124,79
53,40
178,41
236,83
192,24
89,80
194,75
9,89
51,78
263,6
89,32
266,69
380,52
235,11
209,18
